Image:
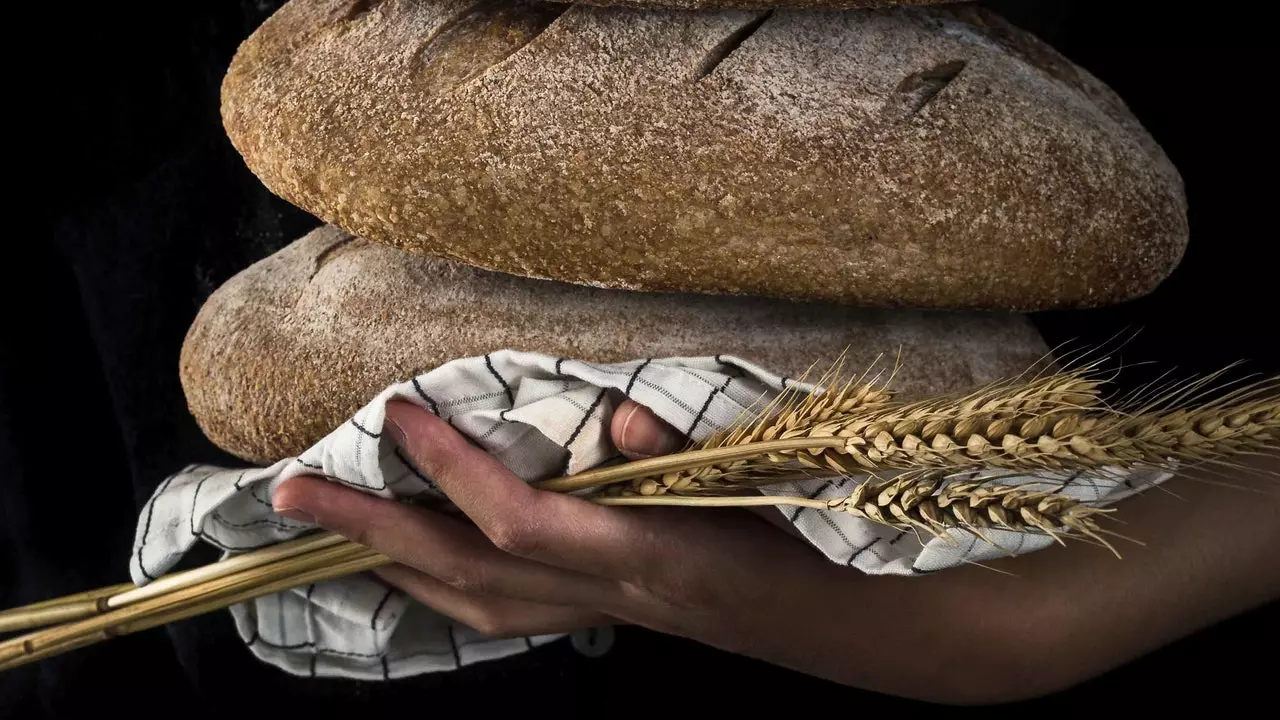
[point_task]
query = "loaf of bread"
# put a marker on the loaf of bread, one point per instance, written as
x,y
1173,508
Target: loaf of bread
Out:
x,y
764,4
916,156
292,346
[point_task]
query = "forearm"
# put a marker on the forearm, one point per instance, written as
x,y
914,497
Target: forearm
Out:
x,y
536,562
1062,615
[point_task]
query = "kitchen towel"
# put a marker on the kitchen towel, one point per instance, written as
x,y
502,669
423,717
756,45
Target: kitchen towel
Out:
x,y
541,416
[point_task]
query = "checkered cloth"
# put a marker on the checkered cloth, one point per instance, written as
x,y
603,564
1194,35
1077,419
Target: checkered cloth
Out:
x,y
541,416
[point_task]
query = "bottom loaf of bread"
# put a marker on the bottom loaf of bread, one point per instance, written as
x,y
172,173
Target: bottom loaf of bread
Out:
x,y
292,346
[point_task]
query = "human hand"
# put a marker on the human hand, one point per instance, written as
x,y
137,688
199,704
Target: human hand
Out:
x,y
525,562
532,562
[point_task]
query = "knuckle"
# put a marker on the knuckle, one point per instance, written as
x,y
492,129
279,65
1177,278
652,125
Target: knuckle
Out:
x,y
489,624
360,535
465,579
514,536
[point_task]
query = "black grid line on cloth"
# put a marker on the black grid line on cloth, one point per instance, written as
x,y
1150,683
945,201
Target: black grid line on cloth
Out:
x,y
559,364
964,556
306,464
632,382
648,383
195,502
453,646
373,621
420,653
411,468
701,374
697,420
668,394
643,381
313,647
224,522
840,532
365,430
360,452
481,641
1022,541
284,639
234,548
1070,479
973,543
239,478
568,444
871,548
1092,483
471,399
497,425
146,527
811,496
571,401
253,493
511,397
310,621
431,403
857,552
528,642
352,483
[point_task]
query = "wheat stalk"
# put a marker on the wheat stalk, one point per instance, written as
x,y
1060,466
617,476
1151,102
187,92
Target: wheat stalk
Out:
x,y
929,504
220,591
1028,426
1050,424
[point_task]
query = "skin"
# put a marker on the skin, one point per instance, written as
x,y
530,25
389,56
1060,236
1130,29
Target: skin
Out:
x,y
523,561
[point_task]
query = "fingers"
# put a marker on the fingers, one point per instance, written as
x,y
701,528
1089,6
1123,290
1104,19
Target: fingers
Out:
x,y
494,617
559,530
457,554
639,434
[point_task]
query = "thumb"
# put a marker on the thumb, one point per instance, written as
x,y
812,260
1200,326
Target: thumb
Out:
x,y
346,512
639,434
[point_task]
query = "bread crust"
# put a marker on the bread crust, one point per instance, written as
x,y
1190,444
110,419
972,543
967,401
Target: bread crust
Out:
x,y
912,156
292,346
763,4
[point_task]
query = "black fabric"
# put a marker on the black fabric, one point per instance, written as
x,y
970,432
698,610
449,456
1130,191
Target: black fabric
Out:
x,y
149,208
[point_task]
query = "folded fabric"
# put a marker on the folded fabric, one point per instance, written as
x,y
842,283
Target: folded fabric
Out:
x,y
541,416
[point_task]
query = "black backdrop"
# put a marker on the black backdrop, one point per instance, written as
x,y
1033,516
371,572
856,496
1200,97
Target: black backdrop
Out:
x,y
148,208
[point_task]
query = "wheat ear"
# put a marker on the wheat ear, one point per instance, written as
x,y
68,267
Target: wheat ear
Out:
x,y
926,503
841,418
1052,424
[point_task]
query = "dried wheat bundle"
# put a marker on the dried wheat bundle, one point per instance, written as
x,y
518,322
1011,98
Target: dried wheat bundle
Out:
x,y
1052,423
1034,427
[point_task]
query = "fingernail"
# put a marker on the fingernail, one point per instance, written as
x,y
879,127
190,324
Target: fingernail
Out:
x,y
294,513
649,436
390,427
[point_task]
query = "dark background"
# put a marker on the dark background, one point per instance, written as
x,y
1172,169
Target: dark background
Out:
x,y
148,209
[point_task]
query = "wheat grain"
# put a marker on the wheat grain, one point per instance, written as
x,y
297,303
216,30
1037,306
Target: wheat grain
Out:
x,y
928,503
1050,424
1027,426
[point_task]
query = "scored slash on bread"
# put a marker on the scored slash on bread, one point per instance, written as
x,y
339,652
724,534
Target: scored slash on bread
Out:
x,y
291,347
928,156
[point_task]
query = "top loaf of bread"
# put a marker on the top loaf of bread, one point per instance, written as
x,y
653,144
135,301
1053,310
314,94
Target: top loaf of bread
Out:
x,y
763,4
930,156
